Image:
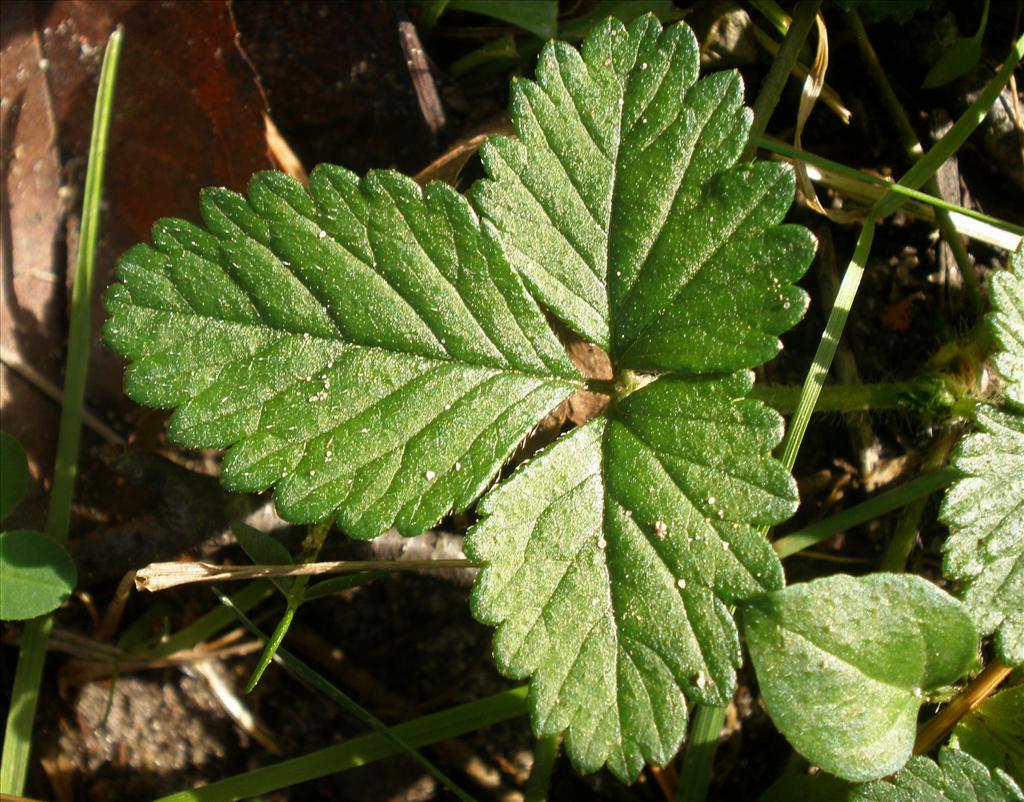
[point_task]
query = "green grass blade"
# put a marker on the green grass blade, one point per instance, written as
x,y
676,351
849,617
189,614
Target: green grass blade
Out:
x,y
363,750
827,346
700,753
890,500
25,693
781,148
886,205
778,74
951,141
209,624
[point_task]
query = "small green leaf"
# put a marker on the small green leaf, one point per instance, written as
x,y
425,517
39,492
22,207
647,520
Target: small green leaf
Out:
x,y
337,584
957,777
13,474
264,549
37,574
843,664
612,558
539,17
1007,326
985,510
956,61
994,733
366,350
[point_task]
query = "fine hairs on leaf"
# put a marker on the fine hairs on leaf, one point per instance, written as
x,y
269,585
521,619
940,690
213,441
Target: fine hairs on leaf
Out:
x,y
985,509
844,664
375,352
956,777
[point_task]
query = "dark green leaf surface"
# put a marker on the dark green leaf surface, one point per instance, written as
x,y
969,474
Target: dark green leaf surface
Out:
x,y
36,574
611,558
1007,325
956,61
843,664
957,777
13,474
985,510
366,350
994,732
622,205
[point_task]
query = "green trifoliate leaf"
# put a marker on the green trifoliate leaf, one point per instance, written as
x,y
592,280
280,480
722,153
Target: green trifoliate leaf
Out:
x,y
957,777
611,559
366,350
994,732
985,511
1007,326
844,663
37,574
13,474
623,206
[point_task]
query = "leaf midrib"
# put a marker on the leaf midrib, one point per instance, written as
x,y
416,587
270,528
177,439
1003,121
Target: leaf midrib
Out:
x,y
548,375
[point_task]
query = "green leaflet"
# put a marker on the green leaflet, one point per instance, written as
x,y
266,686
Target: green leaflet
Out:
x,y
843,664
367,349
376,354
37,574
13,474
985,509
1007,326
986,512
994,732
611,559
957,777
622,205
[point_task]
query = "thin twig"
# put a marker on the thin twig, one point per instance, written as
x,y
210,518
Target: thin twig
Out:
x,y
981,687
161,576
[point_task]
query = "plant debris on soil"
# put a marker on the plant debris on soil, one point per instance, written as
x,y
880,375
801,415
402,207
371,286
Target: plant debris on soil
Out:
x,y
211,92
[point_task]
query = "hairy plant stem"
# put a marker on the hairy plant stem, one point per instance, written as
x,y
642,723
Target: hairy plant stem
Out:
x,y
925,396
36,635
914,150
